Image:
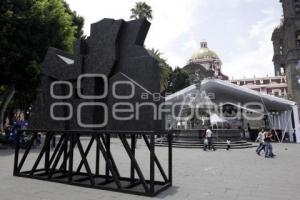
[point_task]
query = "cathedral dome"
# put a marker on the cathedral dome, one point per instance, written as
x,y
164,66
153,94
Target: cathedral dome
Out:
x,y
203,55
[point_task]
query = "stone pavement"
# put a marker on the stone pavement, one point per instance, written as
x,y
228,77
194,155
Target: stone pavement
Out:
x,y
234,174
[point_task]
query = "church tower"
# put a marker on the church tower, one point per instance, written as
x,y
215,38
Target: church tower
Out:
x,y
286,42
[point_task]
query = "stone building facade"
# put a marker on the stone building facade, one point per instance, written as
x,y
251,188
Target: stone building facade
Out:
x,y
205,63
275,85
286,42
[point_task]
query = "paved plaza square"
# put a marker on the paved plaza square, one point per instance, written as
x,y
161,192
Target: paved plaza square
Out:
x,y
127,100
234,174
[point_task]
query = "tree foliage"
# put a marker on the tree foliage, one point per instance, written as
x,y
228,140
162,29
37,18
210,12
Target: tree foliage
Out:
x,y
27,29
164,67
178,80
170,80
141,10
197,72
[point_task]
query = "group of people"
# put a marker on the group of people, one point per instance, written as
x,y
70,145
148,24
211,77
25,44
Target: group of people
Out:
x,y
265,137
11,131
208,141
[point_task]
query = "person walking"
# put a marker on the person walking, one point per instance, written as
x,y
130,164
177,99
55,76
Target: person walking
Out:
x,y
268,145
260,138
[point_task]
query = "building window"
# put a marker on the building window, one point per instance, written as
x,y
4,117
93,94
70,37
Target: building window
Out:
x,y
276,92
282,71
297,9
297,6
280,46
298,39
281,49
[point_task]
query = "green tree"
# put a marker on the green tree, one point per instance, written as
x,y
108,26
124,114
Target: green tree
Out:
x,y
27,29
179,79
78,21
141,10
170,80
164,67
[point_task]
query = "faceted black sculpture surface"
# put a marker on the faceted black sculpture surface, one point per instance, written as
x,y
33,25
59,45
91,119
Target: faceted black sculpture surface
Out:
x,y
115,50
108,88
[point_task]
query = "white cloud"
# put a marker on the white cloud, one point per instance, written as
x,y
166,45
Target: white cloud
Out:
x,y
257,61
232,29
95,10
171,21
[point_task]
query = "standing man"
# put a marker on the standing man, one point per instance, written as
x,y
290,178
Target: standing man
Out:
x,y
228,144
260,138
209,135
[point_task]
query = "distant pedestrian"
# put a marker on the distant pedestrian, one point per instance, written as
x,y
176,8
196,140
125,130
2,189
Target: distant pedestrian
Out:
x,y
38,139
17,125
260,138
228,144
209,135
7,131
268,145
205,144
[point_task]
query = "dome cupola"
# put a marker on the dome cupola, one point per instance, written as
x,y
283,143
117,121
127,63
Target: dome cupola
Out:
x,y
205,56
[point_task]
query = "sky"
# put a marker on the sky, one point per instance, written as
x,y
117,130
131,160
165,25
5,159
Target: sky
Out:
x,y
239,31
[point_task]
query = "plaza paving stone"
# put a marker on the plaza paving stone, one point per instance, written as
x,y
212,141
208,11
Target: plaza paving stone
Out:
x,y
232,175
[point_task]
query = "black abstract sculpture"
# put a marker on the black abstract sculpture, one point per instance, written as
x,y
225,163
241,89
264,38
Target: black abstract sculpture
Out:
x,y
115,50
79,95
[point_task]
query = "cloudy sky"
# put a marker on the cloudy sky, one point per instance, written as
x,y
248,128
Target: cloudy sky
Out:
x,y
238,30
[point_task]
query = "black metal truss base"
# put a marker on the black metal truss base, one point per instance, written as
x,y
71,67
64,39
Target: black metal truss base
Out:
x,y
111,179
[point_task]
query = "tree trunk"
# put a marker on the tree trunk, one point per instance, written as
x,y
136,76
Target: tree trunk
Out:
x,y
6,100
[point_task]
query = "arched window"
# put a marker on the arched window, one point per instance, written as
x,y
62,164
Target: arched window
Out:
x,y
297,6
297,9
282,70
298,39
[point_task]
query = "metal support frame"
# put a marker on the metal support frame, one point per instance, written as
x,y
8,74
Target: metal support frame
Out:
x,y
71,173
